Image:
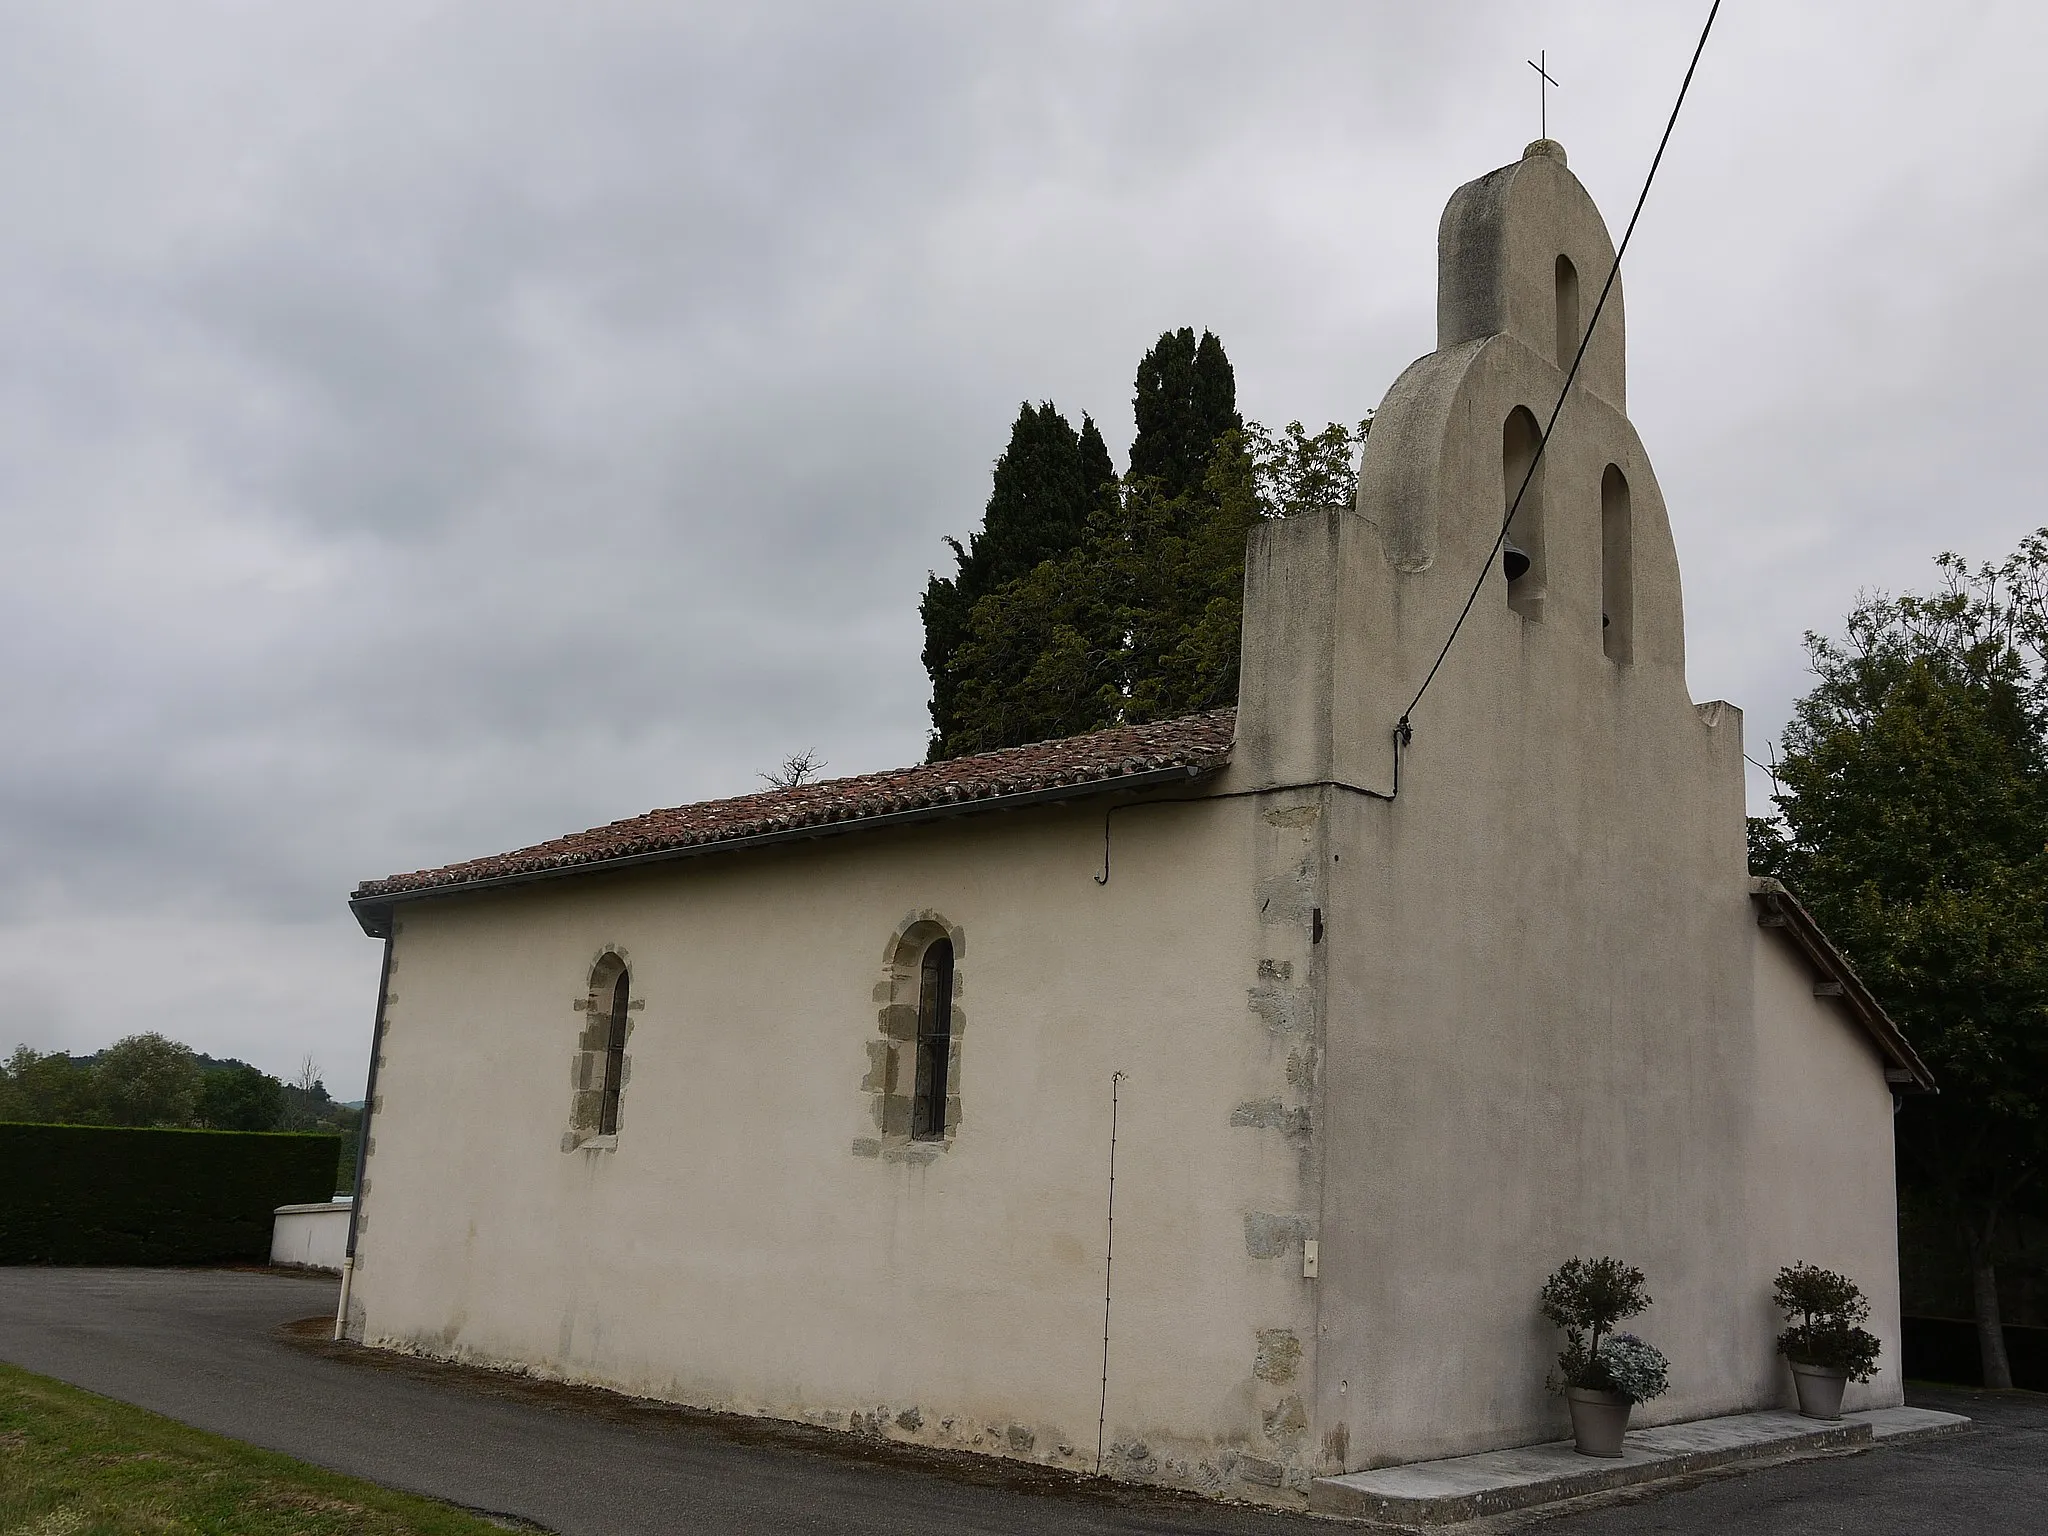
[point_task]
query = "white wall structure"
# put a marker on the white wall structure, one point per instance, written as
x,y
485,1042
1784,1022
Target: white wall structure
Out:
x,y
1405,1020
311,1236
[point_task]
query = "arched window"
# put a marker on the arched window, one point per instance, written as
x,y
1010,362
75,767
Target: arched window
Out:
x,y
1522,554
1567,312
934,1041
1617,567
601,1065
914,1063
614,1057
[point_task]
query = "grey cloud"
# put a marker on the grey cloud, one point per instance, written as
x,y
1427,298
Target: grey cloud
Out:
x,y
432,428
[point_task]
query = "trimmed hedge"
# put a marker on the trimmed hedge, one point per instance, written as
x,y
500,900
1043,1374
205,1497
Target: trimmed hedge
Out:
x,y
100,1194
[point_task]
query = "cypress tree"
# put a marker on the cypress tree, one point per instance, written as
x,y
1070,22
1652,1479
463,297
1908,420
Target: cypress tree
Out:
x,y
945,625
1186,399
1038,505
1087,600
1098,473
1045,483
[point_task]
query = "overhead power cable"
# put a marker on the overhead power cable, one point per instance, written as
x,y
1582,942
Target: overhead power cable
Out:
x,y
1403,730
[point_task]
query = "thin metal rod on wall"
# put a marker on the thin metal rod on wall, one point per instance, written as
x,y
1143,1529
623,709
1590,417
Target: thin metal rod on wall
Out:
x,y
1108,1262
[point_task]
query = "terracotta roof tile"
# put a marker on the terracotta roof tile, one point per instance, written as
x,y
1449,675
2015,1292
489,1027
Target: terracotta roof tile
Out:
x,y
1200,743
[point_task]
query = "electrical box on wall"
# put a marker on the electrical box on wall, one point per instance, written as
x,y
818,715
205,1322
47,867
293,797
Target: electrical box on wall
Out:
x,y
1308,1258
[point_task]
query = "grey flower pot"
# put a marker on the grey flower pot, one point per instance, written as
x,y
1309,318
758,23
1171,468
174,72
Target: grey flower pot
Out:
x,y
1820,1389
1599,1420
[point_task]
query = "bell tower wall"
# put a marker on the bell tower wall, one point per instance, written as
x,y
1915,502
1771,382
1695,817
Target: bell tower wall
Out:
x,y
1518,251
1539,1028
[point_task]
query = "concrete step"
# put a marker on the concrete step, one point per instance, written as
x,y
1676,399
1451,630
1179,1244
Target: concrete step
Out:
x,y
1910,1423
1468,1487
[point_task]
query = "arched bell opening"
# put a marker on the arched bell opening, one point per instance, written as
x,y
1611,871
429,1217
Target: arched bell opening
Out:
x,y
1522,560
1567,288
1617,567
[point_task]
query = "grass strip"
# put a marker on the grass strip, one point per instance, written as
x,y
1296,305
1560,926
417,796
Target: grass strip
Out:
x,y
73,1463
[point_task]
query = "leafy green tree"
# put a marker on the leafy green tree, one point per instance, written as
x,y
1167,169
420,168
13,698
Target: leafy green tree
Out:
x,y
47,1090
1186,399
1184,587
1047,632
1047,483
1302,472
1913,813
307,1106
238,1097
147,1080
1040,657
1044,487
1142,621
1098,470
349,1122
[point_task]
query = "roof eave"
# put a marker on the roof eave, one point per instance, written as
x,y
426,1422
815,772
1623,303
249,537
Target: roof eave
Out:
x,y
373,913
1779,908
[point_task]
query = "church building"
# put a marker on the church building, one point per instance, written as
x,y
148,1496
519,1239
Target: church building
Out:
x,y
799,1104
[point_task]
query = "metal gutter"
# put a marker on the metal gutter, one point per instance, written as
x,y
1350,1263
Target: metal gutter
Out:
x,y
373,913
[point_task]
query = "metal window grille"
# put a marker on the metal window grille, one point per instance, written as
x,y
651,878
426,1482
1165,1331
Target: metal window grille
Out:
x,y
934,1041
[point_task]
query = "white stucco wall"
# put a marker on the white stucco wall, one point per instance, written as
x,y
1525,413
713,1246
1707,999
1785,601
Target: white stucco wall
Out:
x,y
310,1236
1543,1036
736,1250
1824,1182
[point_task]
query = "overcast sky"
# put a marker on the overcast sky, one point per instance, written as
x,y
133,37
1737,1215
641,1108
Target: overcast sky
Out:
x,y
425,429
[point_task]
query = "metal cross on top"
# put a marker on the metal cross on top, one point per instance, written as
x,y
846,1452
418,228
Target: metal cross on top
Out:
x,y
1542,93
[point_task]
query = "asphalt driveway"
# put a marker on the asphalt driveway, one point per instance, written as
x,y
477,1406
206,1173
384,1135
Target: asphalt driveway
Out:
x,y
203,1346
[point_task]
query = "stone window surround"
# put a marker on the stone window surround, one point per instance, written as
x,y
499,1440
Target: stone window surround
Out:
x,y
587,1061
891,1079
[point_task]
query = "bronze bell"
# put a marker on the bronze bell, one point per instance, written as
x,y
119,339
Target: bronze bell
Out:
x,y
1514,560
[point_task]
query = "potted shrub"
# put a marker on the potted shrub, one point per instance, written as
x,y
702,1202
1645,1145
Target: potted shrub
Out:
x,y
1824,1346
1603,1374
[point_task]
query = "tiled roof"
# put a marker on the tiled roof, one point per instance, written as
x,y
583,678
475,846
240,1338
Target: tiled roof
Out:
x,y
1083,764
